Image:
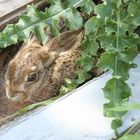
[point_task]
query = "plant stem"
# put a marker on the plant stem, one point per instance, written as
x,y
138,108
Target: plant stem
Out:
x,y
116,60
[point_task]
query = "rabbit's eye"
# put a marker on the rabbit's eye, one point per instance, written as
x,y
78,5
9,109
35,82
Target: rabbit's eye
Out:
x,y
32,77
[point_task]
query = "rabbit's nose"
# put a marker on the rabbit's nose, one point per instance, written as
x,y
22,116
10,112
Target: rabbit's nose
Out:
x,y
15,96
18,98
9,93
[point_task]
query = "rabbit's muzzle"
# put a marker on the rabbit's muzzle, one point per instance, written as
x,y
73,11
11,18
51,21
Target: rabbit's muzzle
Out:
x,y
16,96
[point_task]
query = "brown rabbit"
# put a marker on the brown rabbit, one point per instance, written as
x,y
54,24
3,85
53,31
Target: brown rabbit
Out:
x,y
37,72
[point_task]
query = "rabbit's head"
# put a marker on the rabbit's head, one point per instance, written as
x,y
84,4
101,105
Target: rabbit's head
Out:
x,y
26,72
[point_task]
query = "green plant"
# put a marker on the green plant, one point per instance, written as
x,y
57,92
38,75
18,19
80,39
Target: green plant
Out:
x,y
130,137
35,21
110,27
120,44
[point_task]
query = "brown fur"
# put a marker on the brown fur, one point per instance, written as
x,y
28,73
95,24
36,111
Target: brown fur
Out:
x,y
53,63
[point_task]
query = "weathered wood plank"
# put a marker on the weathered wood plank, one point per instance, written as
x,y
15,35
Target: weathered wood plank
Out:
x,y
8,6
10,10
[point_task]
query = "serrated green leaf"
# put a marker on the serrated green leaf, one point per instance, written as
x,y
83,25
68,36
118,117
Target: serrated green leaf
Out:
x,y
53,23
107,60
91,25
87,6
90,46
123,69
108,112
127,106
117,91
71,3
34,13
74,19
40,34
88,64
134,14
55,8
110,27
104,11
116,123
82,77
107,41
128,41
133,8
126,1
86,61
118,3
122,90
124,27
135,20
128,54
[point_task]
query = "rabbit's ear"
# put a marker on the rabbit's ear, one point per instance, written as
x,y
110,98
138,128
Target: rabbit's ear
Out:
x,y
66,41
47,57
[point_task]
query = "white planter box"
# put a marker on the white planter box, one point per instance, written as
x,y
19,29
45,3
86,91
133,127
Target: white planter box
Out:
x,y
77,116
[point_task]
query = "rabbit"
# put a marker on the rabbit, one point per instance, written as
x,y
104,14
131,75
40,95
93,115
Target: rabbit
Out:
x,y
37,72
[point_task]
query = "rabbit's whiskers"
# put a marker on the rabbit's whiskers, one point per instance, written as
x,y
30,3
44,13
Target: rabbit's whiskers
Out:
x,y
3,83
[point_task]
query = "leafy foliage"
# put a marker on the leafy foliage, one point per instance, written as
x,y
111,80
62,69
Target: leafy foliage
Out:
x,y
130,137
128,106
110,28
36,21
90,47
119,53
